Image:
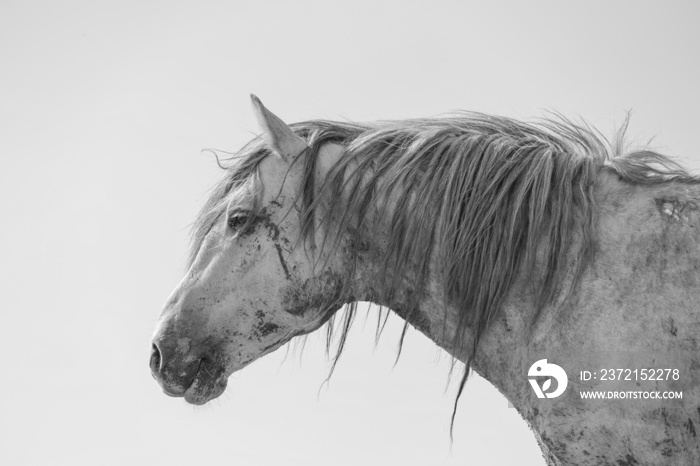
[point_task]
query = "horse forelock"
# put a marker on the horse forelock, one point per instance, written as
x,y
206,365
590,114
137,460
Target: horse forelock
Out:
x,y
474,197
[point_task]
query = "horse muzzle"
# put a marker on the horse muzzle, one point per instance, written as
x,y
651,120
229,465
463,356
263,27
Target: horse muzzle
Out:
x,y
180,374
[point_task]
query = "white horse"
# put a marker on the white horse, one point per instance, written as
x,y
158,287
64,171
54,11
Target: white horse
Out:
x,y
530,252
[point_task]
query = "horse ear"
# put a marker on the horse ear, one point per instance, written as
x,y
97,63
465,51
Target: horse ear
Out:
x,y
280,137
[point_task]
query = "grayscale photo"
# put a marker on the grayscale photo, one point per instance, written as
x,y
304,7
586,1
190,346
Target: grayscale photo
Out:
x,y
371,233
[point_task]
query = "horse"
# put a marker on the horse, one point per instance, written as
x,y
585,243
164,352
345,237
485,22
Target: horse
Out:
x,y
515,246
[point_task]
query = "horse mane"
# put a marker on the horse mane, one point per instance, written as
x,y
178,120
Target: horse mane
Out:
x,y
479,195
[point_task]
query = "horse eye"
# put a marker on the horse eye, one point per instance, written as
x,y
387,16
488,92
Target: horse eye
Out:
x,y
235,222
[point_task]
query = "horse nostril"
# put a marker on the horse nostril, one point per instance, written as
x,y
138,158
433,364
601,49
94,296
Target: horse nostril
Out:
x,y
155,359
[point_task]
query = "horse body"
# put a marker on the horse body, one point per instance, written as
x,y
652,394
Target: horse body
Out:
x,y
275,256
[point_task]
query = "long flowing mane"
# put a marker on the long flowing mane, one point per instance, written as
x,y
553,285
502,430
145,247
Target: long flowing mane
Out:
x,y
477,195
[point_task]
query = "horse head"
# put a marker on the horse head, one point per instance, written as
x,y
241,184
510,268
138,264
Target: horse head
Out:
x,y
250,287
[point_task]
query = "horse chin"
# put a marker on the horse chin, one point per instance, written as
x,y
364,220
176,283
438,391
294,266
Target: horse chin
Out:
x,y
206,386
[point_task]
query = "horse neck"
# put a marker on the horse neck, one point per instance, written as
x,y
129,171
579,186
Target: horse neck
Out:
x,y
636,236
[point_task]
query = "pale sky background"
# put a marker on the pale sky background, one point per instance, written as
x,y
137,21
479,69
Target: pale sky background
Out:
x,y
104,108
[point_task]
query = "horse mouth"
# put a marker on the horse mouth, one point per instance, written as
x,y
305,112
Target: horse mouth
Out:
x,y
208,382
